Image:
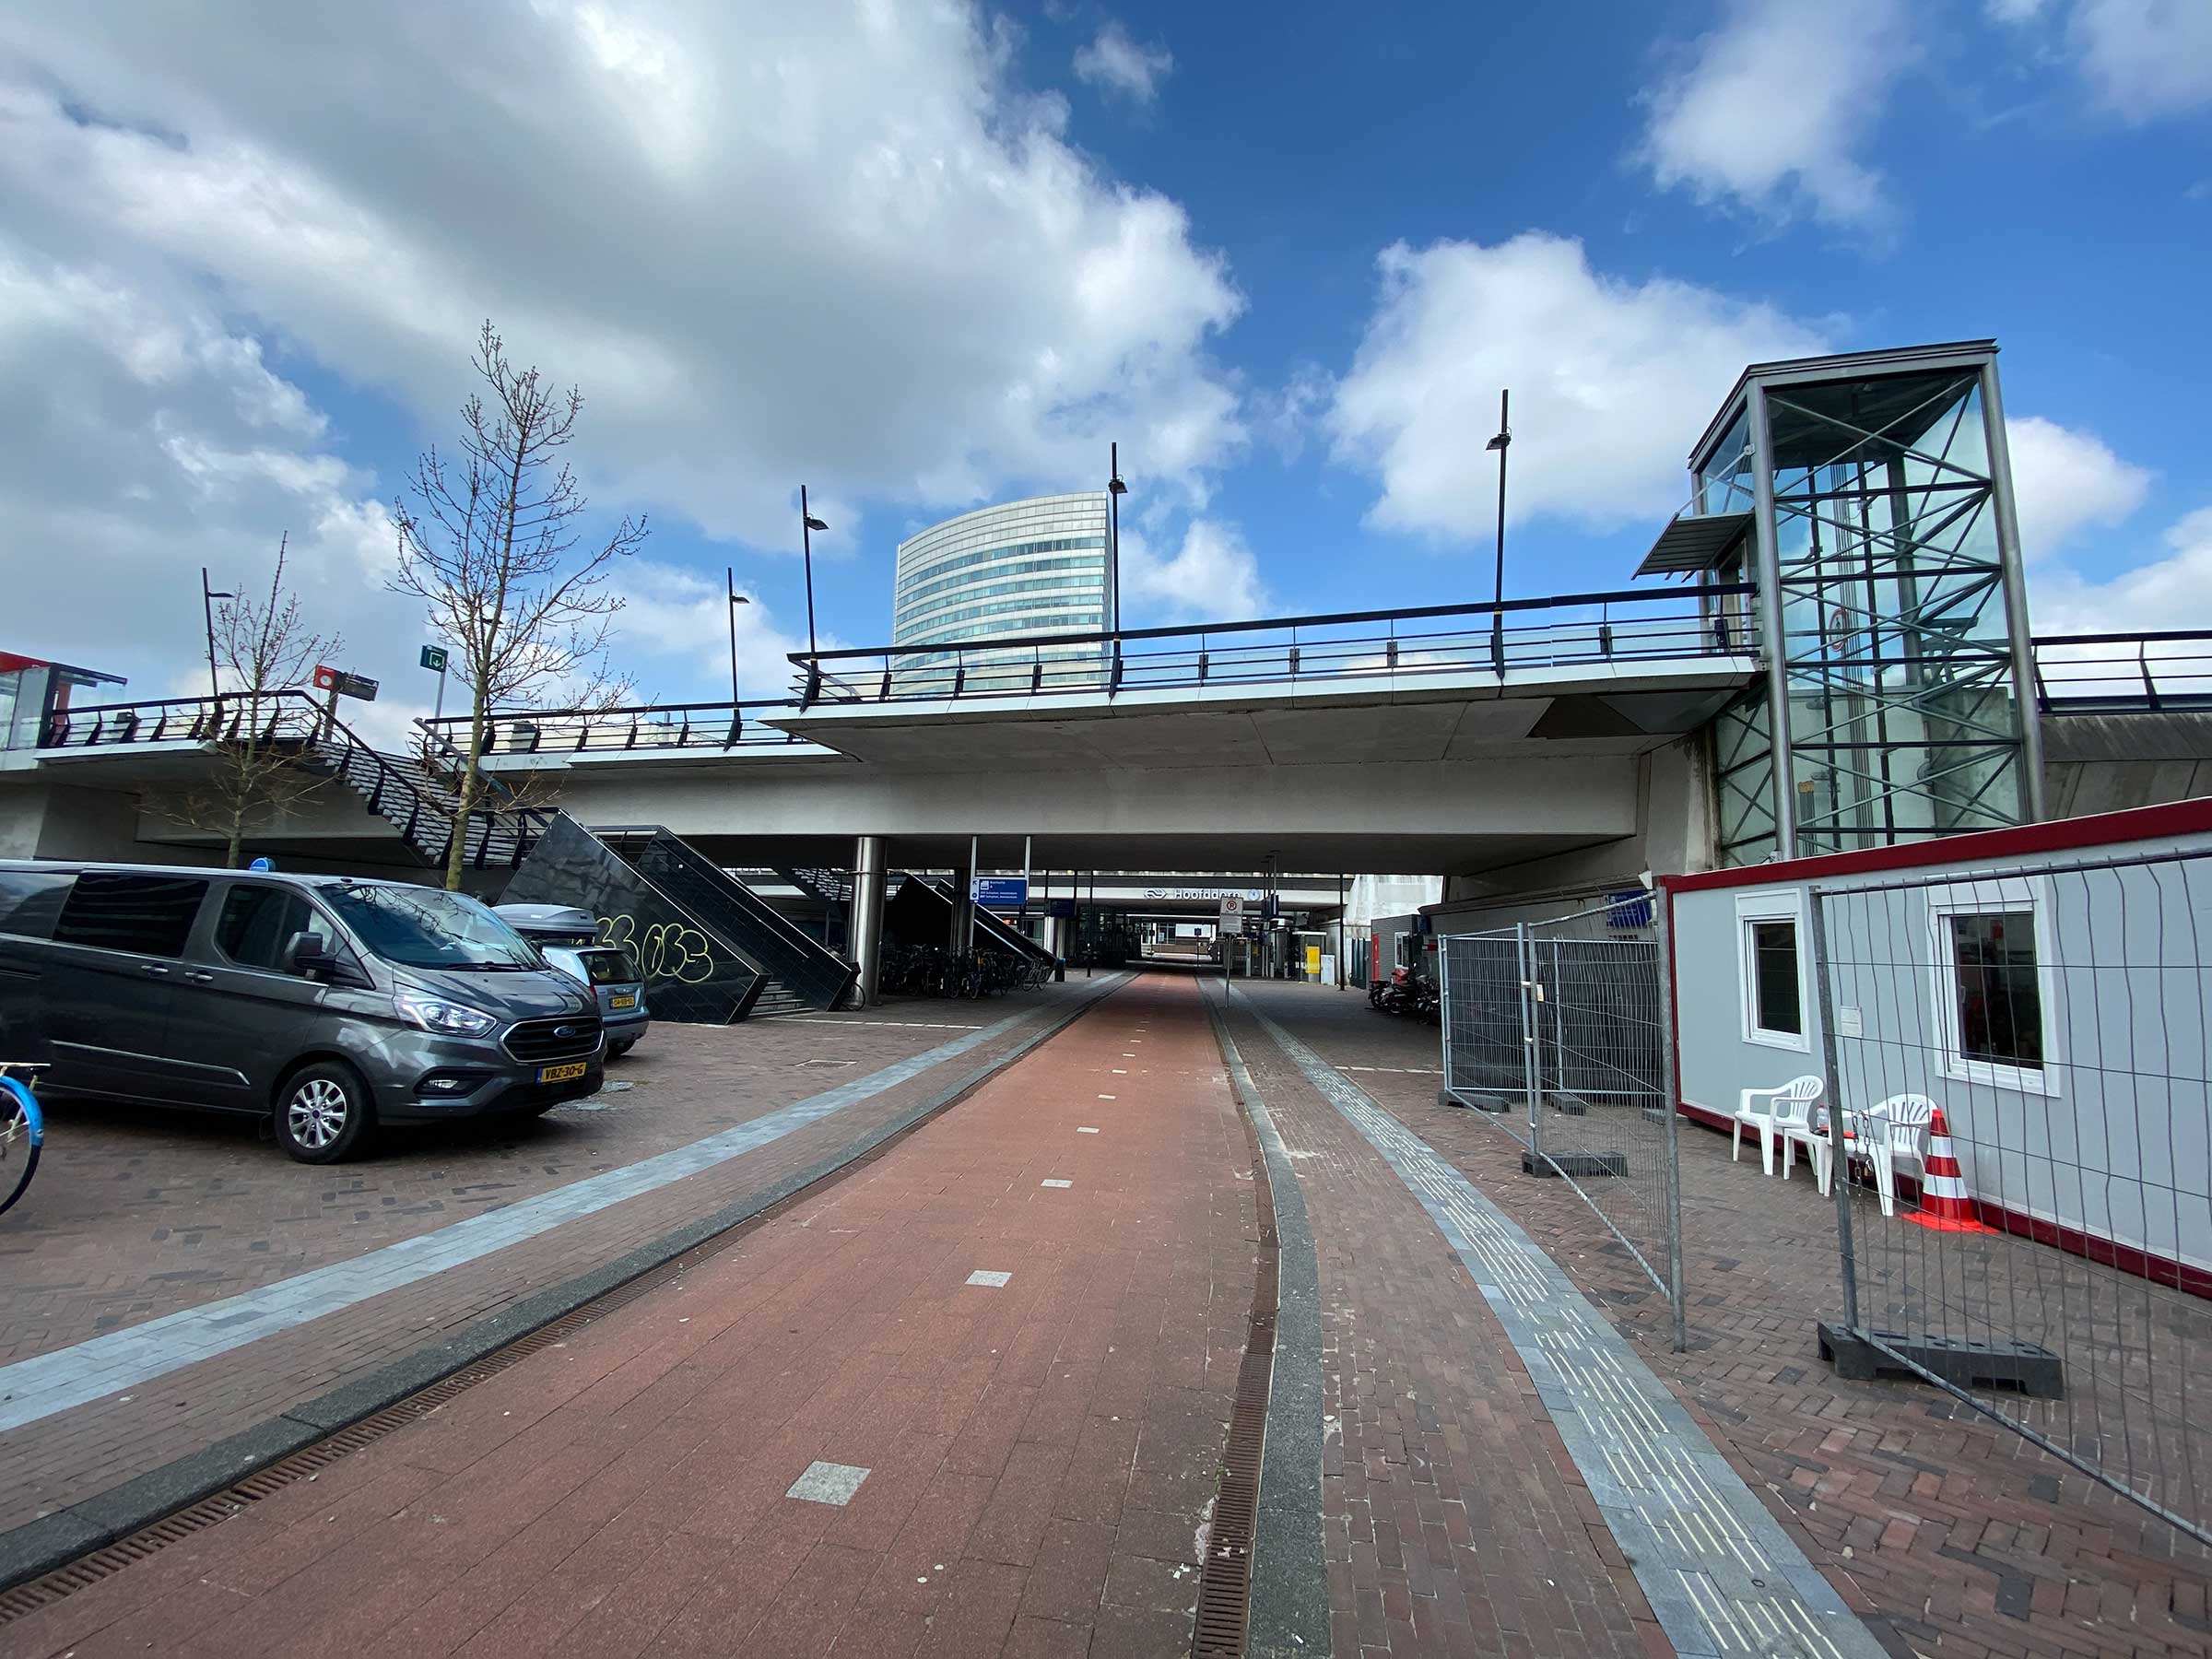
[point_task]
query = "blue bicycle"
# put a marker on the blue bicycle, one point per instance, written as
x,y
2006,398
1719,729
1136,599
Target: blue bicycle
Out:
x,y
22,1130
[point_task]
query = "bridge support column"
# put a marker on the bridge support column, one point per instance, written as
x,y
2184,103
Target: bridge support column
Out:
x,y
960,938
867,916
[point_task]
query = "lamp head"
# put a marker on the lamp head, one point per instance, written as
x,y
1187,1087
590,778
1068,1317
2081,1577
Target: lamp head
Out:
x,y
814,524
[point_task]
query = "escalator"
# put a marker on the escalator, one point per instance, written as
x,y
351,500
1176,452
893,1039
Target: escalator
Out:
x,y
711,949
920,913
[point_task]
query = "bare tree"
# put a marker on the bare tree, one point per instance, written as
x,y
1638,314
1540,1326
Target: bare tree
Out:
x,y
261,646
494,549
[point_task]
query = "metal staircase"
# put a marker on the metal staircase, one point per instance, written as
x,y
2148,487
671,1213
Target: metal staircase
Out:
x,y
419,801
415,799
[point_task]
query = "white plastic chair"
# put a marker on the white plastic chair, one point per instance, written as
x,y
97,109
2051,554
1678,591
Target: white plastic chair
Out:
x,y
1794,1127
1796,1092
1897,1128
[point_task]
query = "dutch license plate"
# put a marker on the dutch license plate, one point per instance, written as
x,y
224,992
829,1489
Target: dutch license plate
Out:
x,y
561,1074
621,1002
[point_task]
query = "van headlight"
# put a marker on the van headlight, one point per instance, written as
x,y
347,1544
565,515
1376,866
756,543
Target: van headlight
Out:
x,y
453,1019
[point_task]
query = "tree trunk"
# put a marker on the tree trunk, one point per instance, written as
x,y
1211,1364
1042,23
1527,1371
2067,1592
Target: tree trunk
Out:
x,y
464,796
242,787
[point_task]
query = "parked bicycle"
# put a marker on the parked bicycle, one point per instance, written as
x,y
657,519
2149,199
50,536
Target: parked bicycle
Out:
x,y
22,1131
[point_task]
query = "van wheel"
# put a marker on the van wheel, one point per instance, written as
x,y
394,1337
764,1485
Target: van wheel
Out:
x,y
322,1112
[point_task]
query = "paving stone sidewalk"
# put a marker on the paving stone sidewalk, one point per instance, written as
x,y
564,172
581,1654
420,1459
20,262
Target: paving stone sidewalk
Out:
x,y
1040,1453
1453,1518
1951,1535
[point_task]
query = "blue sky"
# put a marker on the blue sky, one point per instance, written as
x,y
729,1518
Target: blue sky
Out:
x,y
927,256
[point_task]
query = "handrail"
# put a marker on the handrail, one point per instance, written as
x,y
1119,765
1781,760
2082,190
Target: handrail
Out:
x,y
2067,681
1560,632
297,716
1712,590
2151,637
630,726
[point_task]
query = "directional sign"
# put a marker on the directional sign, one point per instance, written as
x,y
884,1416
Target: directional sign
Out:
x,y
345,684
433,658
1001,892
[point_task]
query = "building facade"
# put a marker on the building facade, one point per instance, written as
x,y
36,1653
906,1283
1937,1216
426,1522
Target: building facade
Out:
x,y
1013,570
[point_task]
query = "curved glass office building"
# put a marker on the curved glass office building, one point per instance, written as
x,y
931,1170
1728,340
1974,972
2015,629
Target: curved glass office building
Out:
x,y
1016,569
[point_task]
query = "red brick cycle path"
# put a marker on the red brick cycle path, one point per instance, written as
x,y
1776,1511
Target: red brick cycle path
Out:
x,y
1041,1455
195,1210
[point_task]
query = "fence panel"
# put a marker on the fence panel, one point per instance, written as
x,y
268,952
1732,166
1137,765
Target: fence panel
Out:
x,y
1561,1030
2031,1044
1486,1046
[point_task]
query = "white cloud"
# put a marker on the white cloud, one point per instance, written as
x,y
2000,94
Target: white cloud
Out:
x,y
1115,64
2143,59
1612,381
1213,577
2064,481
2171,593
834,243
2146,58
680,618
158,439
1770,109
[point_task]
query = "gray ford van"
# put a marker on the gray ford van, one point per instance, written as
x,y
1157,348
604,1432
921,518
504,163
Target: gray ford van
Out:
x,y
327,1003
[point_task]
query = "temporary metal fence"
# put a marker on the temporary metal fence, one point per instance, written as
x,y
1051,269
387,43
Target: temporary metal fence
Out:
x,y
1560,1030
2048,1259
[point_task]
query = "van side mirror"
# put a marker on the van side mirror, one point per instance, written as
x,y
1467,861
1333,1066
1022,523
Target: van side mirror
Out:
x,y
308,955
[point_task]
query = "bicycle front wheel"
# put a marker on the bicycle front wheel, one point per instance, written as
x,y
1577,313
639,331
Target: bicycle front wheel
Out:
x,y
22,1130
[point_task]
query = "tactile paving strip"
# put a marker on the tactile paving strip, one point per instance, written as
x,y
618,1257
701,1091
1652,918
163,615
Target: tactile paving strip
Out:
x,y
1723,1579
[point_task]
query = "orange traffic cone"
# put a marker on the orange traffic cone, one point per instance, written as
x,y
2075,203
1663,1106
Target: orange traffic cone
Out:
x,y
1945,1204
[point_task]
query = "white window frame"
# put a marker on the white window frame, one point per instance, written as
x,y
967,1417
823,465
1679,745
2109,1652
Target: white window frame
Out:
x,y
1777,904
1993,896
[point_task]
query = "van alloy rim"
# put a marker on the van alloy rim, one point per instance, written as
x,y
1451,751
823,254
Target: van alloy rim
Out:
x,y
318,1113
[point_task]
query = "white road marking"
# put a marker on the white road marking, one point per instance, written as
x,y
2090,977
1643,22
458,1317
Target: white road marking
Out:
x,y
828,1483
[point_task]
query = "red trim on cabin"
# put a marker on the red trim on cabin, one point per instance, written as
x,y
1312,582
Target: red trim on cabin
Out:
x,y
2059,835
2125,1258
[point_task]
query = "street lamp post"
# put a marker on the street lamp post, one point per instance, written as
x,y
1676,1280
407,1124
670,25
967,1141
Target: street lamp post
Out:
x,y
1502,443
207,598
1115,490
730,578
808,524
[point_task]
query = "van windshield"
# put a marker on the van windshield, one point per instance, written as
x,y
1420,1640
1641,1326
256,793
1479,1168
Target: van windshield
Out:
x,y
427,927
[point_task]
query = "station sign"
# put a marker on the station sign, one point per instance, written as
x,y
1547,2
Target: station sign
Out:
x,y
344,682
1001,892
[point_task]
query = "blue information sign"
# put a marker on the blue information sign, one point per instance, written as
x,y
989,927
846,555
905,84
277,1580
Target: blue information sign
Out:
x,y
262,864
1001,892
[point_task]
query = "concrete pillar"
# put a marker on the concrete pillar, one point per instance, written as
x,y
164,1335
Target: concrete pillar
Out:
x,y
963,885
867,919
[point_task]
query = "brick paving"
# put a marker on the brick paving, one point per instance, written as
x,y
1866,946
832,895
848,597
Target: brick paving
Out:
x,y
107,1239
1950,1535
1040,1456
1453,1518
